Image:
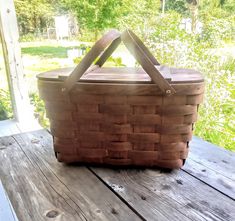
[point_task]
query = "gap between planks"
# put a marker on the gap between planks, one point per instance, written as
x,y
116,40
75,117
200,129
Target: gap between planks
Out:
x,y
227,195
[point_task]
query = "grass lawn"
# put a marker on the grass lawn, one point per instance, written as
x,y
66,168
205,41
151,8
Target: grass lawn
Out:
x,y
44,56
46,51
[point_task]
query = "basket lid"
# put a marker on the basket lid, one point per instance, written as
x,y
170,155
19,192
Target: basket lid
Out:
x,y
125,75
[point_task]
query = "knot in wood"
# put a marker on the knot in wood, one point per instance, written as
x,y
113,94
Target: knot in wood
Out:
x,y
52,214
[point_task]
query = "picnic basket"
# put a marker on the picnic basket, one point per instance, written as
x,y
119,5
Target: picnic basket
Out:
x,y
141,116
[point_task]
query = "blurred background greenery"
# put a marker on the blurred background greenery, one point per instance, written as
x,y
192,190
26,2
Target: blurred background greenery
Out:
x,y
180,33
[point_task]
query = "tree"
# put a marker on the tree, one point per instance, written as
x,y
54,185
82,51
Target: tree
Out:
x,y
95,15
179,6
140,16
33,15
193,7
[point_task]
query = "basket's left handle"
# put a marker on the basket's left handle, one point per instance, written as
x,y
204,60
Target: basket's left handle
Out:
x,y
111,39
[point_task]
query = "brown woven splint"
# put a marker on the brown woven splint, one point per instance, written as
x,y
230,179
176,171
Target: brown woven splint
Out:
x,y
122,116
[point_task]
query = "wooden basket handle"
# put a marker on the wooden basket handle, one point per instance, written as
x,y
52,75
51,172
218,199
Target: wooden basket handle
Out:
x,y
111,39
146,60
143,47
108,51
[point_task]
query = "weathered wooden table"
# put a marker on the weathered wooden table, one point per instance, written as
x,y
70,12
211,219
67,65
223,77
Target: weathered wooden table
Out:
x,y
40,188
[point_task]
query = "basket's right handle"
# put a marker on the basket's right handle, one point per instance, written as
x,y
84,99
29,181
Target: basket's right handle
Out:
x,y
144,48
146,60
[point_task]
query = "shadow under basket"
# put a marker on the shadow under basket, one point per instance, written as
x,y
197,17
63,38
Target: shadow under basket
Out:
x,y
140,116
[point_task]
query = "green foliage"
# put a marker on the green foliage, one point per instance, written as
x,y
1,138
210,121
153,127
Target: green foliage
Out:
x,y
111,61
33,15
139,16
5,105
218,26
179,6
95,15
227,5
217,113
168,42
39,109
77,60
115,62
86,35
28,37
174,47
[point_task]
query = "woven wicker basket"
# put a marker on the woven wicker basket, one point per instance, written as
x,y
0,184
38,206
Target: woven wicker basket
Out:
x,y
122,116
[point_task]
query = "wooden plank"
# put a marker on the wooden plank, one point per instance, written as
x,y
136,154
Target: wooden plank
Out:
x,y
8,127
168,196
32,197
214,157
38,184
9,35
6,211
213,165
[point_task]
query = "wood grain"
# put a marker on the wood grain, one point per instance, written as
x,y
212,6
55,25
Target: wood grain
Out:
x,y
168,196
29,191
213,165
39,187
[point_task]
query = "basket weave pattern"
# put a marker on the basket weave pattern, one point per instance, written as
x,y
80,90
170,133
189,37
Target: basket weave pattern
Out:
x,y
122,130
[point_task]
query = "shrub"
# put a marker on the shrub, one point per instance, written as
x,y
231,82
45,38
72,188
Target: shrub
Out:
x,y
217,113
30,37
5,105
39,109
174,47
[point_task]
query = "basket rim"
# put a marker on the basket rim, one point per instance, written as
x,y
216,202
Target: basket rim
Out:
x,y
129,75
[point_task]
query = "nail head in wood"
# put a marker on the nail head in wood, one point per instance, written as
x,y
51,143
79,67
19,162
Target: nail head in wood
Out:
x,y
168,92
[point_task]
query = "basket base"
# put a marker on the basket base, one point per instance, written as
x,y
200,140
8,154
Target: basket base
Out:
x,y
121,163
